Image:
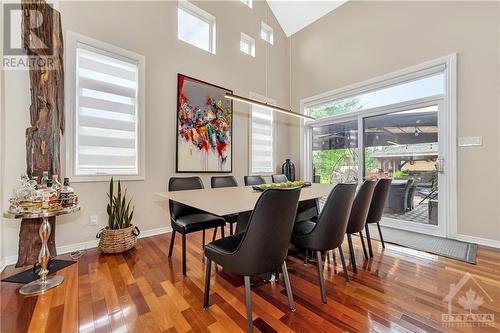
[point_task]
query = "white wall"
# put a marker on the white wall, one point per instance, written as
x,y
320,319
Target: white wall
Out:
x,y
362,40
150,29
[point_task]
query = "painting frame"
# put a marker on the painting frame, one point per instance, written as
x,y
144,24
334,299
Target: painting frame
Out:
x,y
178,169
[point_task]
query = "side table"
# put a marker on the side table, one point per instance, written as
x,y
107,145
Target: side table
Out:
x,y
43,283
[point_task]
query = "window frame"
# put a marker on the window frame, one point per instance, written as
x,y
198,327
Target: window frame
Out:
x,y
74,40
261,98
251,42
203,15
269,30
248,3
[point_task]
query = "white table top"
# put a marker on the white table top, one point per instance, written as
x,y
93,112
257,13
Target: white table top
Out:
x,y
230,200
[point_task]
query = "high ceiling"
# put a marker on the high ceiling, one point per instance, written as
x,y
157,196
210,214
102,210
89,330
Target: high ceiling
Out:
x,y
296,15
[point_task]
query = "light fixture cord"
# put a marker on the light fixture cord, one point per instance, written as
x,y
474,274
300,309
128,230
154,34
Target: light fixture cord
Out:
x,y
290,71
267,52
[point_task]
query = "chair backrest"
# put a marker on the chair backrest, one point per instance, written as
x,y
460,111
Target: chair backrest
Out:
x,y
223,181
264,245
361,206
328,234
254,180
180,184
279,178
379,199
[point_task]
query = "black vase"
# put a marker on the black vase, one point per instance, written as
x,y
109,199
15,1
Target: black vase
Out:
x,y
288,169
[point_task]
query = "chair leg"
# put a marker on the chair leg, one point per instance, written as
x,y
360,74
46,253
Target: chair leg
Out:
x,y
222,231
184,254
208,267
203,239
369,240
231,231
172,241
380,233
344,267
215,234
248,301
353,257
306,258
288,287
321,278
363,244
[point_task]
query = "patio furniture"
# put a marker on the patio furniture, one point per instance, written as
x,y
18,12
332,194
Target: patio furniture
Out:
x,y
399,196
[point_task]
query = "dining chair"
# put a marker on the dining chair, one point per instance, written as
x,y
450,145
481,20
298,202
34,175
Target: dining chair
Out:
x,y
186,219
259,249
254,180
376,211
357,219
226,181
329,231
279,178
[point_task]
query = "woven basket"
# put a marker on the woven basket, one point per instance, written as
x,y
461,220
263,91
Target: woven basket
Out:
x,y
118,240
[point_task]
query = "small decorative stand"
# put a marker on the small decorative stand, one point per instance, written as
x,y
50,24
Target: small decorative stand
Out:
x,y
43,283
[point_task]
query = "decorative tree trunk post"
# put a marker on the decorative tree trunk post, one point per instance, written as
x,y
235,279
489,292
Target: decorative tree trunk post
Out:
x,y
42,40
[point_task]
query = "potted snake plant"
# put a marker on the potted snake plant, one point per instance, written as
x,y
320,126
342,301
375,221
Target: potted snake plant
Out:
x,y
120,234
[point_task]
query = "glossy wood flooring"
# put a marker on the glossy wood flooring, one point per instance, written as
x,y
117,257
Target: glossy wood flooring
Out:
x,y
400,290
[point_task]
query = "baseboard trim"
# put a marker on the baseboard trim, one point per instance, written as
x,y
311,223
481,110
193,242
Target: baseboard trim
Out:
x,y
478,240
86,245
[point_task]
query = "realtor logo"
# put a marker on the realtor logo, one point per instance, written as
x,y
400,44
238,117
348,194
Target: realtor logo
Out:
x,y
467,295
37,35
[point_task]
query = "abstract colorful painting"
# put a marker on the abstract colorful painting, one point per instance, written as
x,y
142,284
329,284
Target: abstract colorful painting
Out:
x,y
204,127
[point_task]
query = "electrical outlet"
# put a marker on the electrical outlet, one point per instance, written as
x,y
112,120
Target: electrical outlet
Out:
x,y
93,220
470,141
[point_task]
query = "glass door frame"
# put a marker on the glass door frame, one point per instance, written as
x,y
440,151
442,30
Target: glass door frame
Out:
x,y
445,179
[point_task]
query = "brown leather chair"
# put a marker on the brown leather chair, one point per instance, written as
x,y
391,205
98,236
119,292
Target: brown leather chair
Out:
x,y
329,231
357,219
186,219
376,211
254,180
259,249
226,181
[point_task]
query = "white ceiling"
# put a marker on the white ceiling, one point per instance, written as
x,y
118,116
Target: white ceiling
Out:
x,y
294,15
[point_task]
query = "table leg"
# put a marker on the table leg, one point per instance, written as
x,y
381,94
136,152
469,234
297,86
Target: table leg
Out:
x,y
43,283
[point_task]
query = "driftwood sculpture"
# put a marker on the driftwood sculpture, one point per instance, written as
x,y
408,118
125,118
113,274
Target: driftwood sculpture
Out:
x,y
42,40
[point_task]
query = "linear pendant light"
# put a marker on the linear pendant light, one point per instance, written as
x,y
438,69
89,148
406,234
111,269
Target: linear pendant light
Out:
x,y
267,106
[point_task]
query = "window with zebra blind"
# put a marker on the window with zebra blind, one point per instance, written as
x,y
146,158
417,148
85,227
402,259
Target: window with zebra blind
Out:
x,y
107,111
262,138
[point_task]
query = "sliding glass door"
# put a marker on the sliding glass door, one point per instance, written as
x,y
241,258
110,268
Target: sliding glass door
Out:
x,y
401,143
401,125
404,146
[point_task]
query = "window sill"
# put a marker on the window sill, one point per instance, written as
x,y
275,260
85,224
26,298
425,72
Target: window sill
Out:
x,y
105,178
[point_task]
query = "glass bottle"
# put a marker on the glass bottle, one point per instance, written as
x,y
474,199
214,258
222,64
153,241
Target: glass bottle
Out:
x,y
35,183
67,194
45,192
52,195
56,185
45,178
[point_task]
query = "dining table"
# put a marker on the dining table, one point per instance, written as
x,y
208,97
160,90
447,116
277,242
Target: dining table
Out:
x,y
231,200
239,200
235,200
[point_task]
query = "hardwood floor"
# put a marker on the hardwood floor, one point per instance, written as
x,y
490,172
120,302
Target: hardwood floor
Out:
x,y
399,290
